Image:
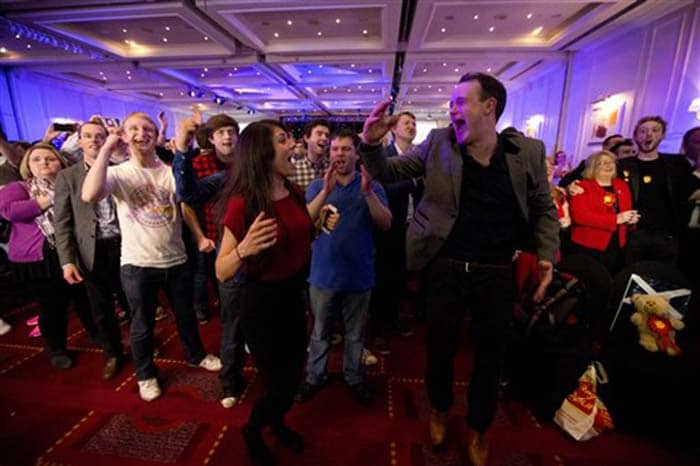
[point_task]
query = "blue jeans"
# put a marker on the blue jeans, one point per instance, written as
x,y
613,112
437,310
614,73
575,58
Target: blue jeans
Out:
x,y
232,343
203,271
326,305
141,285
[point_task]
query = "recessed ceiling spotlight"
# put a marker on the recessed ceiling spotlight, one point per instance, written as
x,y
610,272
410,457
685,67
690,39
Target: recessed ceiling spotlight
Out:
x,y
206,37
476,17
165,39
415,89
439,89
456,70
349,90
374,90
160,94
430,86
319,33
257,74
125,30
320,66
206,70
101,72
129,78
104,78
202,75
167,28
443,30
182,93
128,72
370,70
352,65
337,21
491,29
488,70
365,32
425,70
235,68
230,74
277,34
537,31
289,22
444,64
529,16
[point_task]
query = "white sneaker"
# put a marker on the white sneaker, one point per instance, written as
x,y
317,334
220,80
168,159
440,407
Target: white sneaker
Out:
x,y
368,359
4,327
228,402
149,389
210,363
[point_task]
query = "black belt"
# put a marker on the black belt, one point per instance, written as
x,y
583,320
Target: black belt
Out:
x,y
471,266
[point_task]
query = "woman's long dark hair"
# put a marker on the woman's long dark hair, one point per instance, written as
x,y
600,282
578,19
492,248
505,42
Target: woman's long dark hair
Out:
x,y
250,175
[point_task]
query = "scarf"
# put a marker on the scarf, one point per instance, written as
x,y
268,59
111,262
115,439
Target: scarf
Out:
x,y
38,187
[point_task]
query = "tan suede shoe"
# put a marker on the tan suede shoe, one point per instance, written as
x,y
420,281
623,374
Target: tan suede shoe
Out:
x,y
477,448
438,427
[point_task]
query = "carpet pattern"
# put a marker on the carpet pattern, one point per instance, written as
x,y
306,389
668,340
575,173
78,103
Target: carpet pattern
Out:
x,y
72,417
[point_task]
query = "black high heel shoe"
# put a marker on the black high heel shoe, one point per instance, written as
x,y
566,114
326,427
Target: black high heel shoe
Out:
x,y
289,438
259,454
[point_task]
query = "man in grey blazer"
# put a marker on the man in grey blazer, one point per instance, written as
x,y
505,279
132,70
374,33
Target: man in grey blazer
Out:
x,y
88,244
486,196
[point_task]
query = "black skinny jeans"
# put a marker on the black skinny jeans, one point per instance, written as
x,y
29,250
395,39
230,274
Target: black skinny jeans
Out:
x,y
274,327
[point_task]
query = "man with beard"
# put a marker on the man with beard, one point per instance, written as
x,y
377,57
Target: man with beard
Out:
x,y
659,185
315,163
88,240
485,194
152,251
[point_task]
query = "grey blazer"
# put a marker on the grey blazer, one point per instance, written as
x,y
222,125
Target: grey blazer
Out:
x,y
75,221
439,161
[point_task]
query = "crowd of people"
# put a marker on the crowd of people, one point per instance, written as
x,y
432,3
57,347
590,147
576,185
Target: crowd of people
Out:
x,y
332,224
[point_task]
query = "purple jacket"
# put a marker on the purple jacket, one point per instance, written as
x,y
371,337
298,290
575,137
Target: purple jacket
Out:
x,y
26,239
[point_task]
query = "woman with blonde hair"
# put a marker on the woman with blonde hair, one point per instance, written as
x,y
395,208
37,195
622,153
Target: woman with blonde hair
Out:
x,y
28,205
602,214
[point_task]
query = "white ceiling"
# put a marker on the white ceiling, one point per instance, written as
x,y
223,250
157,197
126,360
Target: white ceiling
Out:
x,y
326,57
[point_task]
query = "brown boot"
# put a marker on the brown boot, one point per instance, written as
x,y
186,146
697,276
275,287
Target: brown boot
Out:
x,y
438,427
477,448
111,367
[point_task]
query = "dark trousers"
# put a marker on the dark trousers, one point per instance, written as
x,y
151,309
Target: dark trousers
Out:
x,y
232,342
390,268
611,257
203,272
141,285
101,284
274,326
55,296
487,293
646,245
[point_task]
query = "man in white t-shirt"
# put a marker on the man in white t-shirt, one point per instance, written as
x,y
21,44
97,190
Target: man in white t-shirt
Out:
x,y
152,252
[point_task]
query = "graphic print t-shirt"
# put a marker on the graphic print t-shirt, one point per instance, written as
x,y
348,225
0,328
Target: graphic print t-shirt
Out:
x,y
148,215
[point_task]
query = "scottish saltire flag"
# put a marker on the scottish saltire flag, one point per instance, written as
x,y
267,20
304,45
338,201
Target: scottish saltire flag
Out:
x,y
677,297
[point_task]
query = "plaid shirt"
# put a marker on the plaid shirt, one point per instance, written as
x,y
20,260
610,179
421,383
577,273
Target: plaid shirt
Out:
x,y
206,164
307,171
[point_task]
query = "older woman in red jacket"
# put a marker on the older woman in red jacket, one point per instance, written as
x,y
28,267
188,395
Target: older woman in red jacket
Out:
x,y
602,214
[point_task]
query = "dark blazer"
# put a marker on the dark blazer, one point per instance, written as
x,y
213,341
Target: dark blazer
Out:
x,y
439,161
75,221
678,173
593,219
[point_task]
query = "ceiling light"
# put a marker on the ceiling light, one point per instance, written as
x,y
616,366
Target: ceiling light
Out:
x,y
476,17
337,21
444,64
160,94
349,90
276,34
230,74
537,31
365,32
456,70
129,78
165,39
202,75
529,15
308,71
430,86
125,31
206,70
488,70
425,70
415,89
257,74
219,100
182,93
320,66
443,30
491,29
128,72
29,46
101,72
352,65
167,28
370,70
235,68
206,37
439,89
289,22
319,33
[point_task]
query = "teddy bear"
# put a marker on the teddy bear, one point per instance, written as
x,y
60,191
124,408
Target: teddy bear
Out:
x,y
657,328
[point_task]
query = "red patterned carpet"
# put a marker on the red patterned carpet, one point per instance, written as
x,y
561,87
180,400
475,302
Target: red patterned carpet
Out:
x,y
50,417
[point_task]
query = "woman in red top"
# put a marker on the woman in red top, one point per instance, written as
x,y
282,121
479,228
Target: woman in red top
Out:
x,y
602,213
267,238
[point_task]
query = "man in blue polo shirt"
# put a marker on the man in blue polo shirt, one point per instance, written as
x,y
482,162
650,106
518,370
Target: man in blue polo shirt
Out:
x,y
342,267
